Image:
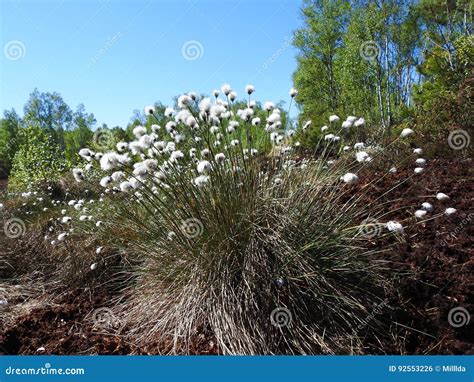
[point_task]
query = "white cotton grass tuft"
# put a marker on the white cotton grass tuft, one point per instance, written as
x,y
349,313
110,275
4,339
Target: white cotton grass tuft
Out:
x,y
427,206
203,166
334,118
419,170
406,132
138,131
62,237
450,211
418,151
201,180
420,213
350,178
441,196
93,266
99,250
249,89
226,89
293,92
149,110
220,157
394,226
66,220
420,162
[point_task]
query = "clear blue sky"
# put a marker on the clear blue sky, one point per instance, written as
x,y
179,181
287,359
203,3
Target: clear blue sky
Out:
x,y
115,56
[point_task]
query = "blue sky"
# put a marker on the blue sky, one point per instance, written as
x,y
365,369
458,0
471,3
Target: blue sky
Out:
x,y
115,56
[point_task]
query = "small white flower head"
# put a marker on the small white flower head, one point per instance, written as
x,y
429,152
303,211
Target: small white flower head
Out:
x,y
149,110
234,142
252,104
306,125
268,106
122,146
406,132
256,121
359,145
393,170
86,154
329,137
203,166
293,92
350,178
361,156
205,105
66,220
394,226
220,157
99,223
201,180
184,101
249,89
418,151
226,89
78,174
334,118
62,237
138,131
441,196
279,139
216,93
232,96
105,181
117,175
360,122
427,206
126,186
420,213
192,95
419,170
346,125
93,267
351,119
176,155
83,218
420,162
169,111
277,181
290,133
346,148
205,153
63,212
155,128
274,118
450,211
324,128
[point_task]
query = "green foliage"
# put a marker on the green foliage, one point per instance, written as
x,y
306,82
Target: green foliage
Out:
x,y
38,159
9,140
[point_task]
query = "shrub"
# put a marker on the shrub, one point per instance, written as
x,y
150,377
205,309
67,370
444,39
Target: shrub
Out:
x,y
269,253
38,159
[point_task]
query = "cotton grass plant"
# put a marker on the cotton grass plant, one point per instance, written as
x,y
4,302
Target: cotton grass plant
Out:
x,y
235,237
